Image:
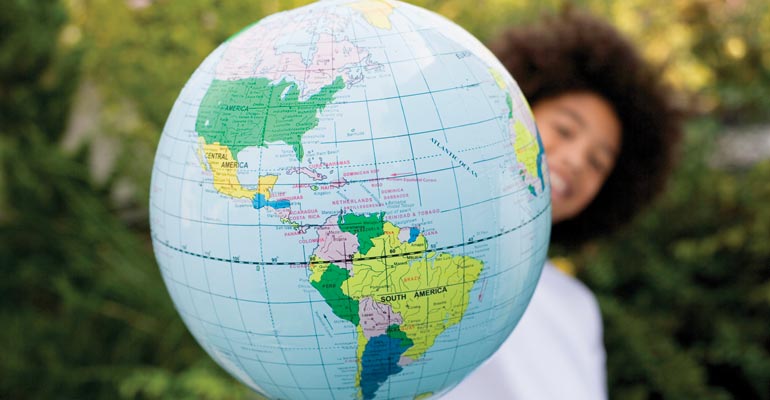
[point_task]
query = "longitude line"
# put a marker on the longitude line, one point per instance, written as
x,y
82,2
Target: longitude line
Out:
x,y
403,114
238,361
267,291
307,270
290,263
232,276
184,266
315,330
459,201
368,113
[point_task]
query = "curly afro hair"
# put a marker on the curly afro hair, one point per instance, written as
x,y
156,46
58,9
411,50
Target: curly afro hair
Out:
x,y
575,52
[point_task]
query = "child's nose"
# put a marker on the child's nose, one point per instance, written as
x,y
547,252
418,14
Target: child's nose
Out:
x,y
577,157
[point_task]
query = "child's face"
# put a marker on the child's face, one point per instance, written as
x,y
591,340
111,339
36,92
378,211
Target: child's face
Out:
x,y
581,135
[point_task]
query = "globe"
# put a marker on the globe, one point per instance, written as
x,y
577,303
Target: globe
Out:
x,y
350,200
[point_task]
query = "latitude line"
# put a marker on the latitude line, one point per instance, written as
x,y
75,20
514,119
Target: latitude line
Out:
x,y
320,301
347,166
366,258
376,179
358,140
429,92
491,335
498,305
475,312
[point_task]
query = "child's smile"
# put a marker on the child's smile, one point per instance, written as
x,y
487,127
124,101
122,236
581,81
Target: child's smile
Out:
x,y
581,134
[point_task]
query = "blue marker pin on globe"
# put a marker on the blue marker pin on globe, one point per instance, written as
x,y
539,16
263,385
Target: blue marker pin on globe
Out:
x,y
350,201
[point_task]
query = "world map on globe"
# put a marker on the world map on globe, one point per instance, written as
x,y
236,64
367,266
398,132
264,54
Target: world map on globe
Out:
x,y
350,200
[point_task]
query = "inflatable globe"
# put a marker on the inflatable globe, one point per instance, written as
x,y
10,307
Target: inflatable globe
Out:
x,y
350,201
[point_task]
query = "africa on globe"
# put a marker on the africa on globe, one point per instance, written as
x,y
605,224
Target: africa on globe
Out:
x,y
350,201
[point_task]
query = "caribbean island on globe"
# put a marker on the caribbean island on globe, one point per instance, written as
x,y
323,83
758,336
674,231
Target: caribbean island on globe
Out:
x,y
350,201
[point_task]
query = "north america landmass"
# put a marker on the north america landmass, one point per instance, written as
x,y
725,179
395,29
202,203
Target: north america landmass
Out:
x,y
255,112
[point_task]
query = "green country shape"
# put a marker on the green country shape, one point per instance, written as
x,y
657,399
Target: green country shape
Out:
x,y
394,332
365,227
330,288
253,112
509,102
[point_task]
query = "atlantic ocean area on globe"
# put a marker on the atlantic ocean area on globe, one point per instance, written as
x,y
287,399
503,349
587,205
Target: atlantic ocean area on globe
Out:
x,y
350,201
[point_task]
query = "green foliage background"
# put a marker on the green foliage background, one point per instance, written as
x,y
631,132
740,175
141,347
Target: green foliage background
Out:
x,y
85,88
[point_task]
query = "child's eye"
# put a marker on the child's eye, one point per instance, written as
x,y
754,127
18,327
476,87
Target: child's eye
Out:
x,y
597,164
563,131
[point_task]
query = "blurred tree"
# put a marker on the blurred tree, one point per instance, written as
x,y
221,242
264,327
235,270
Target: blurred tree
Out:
x,y
685,291
718,51
733,39
83,311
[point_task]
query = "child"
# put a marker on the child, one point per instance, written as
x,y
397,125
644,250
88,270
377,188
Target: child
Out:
x,y
609,130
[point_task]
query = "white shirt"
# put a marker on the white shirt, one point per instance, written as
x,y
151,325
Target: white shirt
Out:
x,y
555,352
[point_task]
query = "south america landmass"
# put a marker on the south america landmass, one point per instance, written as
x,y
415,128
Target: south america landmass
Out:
x,y
399,295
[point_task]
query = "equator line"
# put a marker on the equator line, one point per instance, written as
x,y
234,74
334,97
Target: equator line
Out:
x,y
379,257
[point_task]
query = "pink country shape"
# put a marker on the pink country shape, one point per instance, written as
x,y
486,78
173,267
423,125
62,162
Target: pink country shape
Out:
x,y
376,317
336,246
